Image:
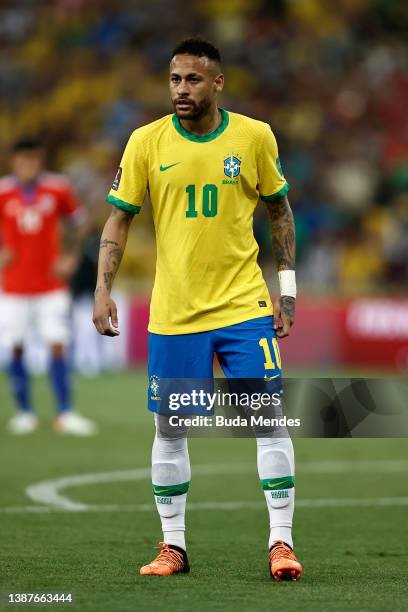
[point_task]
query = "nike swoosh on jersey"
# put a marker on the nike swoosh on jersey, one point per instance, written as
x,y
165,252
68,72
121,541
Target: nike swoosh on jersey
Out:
x,y
163,168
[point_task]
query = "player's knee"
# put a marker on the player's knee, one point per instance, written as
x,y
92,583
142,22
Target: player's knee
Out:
x,y
170,433
170,445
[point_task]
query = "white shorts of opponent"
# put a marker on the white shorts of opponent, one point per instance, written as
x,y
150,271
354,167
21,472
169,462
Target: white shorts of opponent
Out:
x,y
48,314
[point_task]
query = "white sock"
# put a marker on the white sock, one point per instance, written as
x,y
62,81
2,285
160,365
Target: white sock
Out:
x,y
276,469
171,478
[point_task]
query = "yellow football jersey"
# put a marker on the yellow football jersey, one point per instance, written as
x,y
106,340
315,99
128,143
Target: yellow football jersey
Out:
x,y
204,190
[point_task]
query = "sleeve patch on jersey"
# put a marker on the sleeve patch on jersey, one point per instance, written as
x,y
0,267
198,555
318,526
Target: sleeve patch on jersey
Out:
x,y
279,166
278,194
132,208
116,182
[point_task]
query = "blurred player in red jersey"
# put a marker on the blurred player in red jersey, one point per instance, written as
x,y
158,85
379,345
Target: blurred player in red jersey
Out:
x,y
32,204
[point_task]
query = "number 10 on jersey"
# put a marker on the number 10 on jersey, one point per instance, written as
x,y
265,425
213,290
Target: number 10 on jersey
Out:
x,y
209,201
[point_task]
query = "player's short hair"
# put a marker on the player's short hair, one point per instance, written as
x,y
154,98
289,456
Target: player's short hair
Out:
x,y
198,46
27,144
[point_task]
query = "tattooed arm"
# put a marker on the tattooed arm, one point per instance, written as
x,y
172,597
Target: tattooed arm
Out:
x,y
112,246
283,242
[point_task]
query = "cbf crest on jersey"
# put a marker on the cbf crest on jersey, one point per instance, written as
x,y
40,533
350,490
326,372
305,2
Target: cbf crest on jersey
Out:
x,y
232,165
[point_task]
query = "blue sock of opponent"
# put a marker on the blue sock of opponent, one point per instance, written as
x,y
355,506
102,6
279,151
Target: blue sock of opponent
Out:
x,y
20,383
61,382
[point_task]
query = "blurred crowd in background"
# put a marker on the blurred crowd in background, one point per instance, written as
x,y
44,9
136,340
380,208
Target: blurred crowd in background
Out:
x,y
330,77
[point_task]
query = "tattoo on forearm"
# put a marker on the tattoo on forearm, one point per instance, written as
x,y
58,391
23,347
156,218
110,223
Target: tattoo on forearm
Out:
x,y
115,257
108,279
104,243
111,251
283,233
287,304
111,264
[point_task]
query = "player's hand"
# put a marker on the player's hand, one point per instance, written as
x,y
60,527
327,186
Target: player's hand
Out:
x,y
283,315
105,314
65,266
6,257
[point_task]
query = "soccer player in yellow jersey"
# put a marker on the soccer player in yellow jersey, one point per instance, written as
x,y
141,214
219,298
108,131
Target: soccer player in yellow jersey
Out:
x,y
205,169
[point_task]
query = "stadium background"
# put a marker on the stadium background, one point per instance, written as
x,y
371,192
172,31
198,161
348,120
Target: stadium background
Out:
x,y
331,79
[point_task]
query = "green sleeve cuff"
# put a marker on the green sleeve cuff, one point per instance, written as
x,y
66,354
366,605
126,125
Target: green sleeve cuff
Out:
x,y
131,208
278,194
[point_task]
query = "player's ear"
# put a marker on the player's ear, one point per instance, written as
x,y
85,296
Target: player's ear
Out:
x,y
219,82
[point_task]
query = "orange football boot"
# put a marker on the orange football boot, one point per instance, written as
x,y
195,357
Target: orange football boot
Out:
x,y
283,564
170,560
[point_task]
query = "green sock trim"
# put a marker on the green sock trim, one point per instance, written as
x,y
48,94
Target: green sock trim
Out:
x,y
170,490
275,484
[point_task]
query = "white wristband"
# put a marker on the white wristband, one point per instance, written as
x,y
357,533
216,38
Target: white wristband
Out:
x,y
287,282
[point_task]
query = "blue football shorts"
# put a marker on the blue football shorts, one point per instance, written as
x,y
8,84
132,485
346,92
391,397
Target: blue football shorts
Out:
x,y
247,350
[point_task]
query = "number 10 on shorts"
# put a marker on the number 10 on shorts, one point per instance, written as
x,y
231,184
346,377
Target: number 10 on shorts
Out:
x,y
269,349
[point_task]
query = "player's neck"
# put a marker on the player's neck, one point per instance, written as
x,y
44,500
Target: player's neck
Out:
x,y
204,125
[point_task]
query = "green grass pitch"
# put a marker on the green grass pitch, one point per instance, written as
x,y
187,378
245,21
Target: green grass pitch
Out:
x,y
355,556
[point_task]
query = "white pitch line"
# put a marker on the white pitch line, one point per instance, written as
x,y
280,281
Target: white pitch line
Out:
x,y
27,510
48,492
375,466
368,502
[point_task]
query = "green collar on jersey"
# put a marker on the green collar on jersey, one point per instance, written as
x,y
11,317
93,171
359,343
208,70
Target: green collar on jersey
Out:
x,y
205,137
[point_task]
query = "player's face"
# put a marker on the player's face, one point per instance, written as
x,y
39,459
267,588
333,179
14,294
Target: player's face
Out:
x,y
27,165
194,84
